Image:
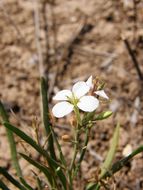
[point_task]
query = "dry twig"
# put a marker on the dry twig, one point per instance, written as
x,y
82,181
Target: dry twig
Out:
x,y
134,59
37,37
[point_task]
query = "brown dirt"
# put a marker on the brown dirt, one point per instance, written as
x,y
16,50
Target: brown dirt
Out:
x,y
87,36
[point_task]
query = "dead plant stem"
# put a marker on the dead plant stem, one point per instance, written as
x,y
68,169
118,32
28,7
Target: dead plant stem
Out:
x,y
134,59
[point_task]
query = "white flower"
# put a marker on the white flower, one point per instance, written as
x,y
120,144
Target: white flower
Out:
x,y
74,97
101,93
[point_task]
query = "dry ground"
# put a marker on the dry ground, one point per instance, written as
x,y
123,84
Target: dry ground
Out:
x,y
78,39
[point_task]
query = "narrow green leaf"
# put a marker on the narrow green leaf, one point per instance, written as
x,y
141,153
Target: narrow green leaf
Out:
x,y
103,115
25,184
31,142
11,179
48,173
110,156
121,163
46,118
93,186
52,163
39,183
62,178
3,186
41,167
26,138
11,140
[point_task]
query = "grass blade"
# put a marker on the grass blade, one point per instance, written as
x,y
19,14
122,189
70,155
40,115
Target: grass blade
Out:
x,y
39,183
110,156
26,184
118,165
93,186
41,167
12,144
3,186
26,138
52,163
62,178
46,118
47,171
11,179
121,163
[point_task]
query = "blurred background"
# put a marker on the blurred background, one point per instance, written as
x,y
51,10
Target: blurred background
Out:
x,y
67,41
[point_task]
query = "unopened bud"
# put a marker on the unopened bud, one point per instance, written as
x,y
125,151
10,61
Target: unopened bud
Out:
x,y
66,138
73,121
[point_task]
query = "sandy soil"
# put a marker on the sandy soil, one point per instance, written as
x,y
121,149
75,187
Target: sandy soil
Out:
x,y
78,39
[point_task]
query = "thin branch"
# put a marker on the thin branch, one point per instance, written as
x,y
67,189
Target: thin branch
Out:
x,y
46,28
134,59
54,28
37,37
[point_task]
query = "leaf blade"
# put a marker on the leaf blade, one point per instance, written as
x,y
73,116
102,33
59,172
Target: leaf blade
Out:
x,y
46,118
121,163
11,140
11,179
41,167
52,163
111,153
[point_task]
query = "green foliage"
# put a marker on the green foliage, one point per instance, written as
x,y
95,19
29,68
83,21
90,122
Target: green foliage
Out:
x,y
121,163
92,186
41,167
11,140
59,172
46,117
11,179
3,186
52,163
111,154
103,115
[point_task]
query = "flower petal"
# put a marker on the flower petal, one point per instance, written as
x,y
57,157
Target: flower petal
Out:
x,y
88,103
89,82
101,93
62,95
61,109
80,89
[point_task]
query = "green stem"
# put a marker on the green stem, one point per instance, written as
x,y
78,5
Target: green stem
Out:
x,y
11,142
76,110
76,144
62,159
82,151
75,149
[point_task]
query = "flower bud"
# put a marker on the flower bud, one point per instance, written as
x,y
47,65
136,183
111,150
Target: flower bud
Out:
x,y
66,138
73,121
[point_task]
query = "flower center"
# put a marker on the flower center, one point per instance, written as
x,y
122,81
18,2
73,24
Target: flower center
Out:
x,y
73,99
